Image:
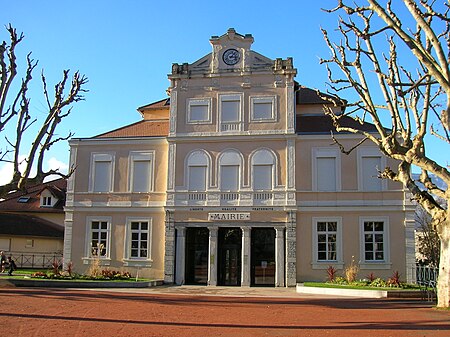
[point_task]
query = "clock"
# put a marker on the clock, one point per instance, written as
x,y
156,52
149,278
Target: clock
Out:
x,y
231,57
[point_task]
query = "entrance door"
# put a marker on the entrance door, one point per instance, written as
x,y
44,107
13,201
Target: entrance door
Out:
x,y
263,257
229,256
196,268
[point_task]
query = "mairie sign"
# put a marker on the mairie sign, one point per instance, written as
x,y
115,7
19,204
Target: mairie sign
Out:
x,y
228,216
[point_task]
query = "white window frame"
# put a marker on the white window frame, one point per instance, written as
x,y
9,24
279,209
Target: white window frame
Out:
x,y
375,264
101,157
229,158
197,157
261,157
128,260
88,257
263,99
326,152
141,156
369,152
231,97
47,199
323,264
199,101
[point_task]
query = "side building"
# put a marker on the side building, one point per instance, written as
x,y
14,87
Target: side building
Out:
x,y
233,180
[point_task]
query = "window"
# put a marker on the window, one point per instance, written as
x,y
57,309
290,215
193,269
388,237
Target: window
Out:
x,y
29,243
197,171
199,110
47,201
138,242
141,178
99,237
229,170
263,163
23,200
101,177
370,162
230,112
374,242
326,170
263,109
327,242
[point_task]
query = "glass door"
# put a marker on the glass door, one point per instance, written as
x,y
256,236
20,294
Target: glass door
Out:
x,y
229,256
263,257
197,243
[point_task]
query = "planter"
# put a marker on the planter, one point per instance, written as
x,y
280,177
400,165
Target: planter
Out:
x,y
361,293
81,284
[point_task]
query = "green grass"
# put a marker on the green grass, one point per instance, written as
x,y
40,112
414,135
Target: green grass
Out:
x,y
357,287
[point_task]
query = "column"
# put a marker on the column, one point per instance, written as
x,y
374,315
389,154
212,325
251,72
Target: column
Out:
x,y
245,278
181,253
279,257
291,244
169,249
212,258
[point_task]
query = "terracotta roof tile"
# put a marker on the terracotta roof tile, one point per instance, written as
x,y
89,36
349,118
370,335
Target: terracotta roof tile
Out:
x,y
156,105
33,204
144,128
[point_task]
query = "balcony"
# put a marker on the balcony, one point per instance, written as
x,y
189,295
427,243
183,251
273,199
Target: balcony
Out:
x,y
230,126
231,198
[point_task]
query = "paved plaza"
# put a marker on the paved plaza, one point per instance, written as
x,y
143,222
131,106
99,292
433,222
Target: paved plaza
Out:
x,y
211,311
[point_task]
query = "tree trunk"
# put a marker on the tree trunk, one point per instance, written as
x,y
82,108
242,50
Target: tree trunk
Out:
x,y
443,286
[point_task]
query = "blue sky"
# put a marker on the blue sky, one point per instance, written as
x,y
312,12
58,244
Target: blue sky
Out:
x,y
126,48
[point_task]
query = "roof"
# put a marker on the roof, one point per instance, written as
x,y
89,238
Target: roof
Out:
x,y
323,124
311,96
57,187
26,225
156,105
144,128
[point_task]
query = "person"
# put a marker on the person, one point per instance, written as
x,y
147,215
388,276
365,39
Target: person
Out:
x,y
3,261
12,265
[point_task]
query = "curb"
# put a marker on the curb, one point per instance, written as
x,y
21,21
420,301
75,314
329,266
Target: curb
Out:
x,y
80,284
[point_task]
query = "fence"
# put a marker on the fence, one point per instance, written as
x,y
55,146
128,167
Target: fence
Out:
x,y
426,278
35,260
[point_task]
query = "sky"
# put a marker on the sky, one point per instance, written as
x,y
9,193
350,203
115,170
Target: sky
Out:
x,y
126,49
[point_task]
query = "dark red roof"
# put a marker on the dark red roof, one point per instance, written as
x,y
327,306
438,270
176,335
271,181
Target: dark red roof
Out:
x,y
57,187
26,225
144,128
323,124
311,96
156,105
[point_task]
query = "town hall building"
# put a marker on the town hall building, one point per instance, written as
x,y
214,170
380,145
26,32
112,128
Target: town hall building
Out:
x,y
234,180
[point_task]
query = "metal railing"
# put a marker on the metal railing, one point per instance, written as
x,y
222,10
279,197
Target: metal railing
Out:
x,y
426,278
35,260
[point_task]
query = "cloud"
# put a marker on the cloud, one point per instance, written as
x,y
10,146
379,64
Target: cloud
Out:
x,y
6,169
55,164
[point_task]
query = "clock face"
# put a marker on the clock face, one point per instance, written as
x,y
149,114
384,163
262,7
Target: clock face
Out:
x,y
231,57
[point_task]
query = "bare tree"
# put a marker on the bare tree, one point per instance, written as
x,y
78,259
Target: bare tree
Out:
x,y
400,76
428,243
15,113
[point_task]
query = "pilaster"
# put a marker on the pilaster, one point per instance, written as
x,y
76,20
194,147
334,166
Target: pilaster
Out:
x,y
180,258
279,257
245,280
212,258
169,248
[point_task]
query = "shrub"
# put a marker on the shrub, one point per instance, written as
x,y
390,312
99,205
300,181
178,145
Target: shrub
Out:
x,y
371,277
331,273
394,280
351,271
378,282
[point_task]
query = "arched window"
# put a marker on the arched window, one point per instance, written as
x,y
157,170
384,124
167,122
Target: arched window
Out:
x,y
197,171
263,165
230,171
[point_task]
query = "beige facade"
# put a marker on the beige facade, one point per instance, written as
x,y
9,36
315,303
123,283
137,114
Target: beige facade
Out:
x,y
234,181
